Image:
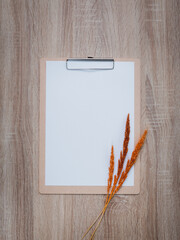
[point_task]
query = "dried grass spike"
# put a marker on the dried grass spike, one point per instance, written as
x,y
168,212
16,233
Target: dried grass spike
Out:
x,y
125,147
138,148
132,161
126,138
111,170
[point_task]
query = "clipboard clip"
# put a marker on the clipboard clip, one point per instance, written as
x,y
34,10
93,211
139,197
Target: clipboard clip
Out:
x,y
89,64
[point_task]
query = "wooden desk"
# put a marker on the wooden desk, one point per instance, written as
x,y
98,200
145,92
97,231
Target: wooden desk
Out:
x,y
148,30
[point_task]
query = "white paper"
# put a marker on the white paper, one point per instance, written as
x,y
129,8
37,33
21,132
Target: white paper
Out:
x,y
86,113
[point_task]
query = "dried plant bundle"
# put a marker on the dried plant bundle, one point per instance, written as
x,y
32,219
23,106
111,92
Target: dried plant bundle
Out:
x,y
121,176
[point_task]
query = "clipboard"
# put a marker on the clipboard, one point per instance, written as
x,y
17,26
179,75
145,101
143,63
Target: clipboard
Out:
x,y
83,108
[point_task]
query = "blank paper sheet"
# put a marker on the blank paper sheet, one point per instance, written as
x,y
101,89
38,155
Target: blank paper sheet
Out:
x,y
85,115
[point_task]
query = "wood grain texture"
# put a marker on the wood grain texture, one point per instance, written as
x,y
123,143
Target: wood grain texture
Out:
x,y
145,29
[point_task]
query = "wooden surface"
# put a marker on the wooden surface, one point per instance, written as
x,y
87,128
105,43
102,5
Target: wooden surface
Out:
x,y
148,30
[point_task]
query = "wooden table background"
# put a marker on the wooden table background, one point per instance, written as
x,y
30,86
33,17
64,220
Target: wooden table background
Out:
x,y
31,29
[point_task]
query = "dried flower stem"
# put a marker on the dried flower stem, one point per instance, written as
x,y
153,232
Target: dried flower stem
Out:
x,y
92,224
92,236
121,176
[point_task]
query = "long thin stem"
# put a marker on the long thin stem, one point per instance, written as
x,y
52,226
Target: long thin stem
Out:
x,y
92,224
105,206
103,212
92,236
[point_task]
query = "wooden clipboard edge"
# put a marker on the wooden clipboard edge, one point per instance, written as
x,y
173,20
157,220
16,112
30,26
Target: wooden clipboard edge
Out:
x,y
43,189
42,126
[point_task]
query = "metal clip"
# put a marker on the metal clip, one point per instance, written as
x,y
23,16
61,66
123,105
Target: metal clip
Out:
x,y
78,64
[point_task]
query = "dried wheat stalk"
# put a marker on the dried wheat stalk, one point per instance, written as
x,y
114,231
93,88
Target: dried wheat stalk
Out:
x,y
121,176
